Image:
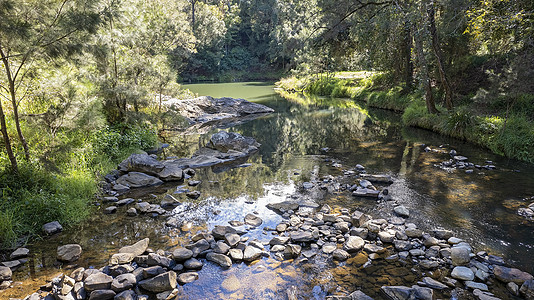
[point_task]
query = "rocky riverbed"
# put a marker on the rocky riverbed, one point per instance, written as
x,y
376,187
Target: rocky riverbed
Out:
x,y
441,265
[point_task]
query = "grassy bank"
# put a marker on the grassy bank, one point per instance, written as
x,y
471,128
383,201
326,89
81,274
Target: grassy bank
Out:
x,y
503,124
61,181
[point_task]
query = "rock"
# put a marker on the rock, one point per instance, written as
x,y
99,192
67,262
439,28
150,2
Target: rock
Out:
x,y
282,227
193,264
220,259
373,248
231,283
138,180
527,289
232,239
385,179
131,212
206,108
443,234
359,295
219,232
429,264
386,237
161,283
283,206
125,201
301,236
462,273
224,141
126,295
362,192
193,195
171,172
98,281
251,254
123,282
484,295
397,292
187,277
476,285
182,254
110,210
69,253
292,251
340,255
434,284
402,211
5,273
169,200
136,249
52,227
141,163
102,295
329,248
19,253
198,247
353,244
511,275
460,256
236,254
152,271
253,220
121,258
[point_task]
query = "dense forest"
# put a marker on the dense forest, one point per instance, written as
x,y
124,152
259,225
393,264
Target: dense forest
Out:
x,y
81,81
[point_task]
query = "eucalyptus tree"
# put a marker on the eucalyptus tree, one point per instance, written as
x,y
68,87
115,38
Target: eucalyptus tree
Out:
x,y
32,33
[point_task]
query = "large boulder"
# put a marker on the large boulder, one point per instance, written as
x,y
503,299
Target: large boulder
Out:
x,y
137,180
141,163
224,141
69,253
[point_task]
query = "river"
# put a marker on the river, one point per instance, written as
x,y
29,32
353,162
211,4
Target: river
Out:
x,y
479,207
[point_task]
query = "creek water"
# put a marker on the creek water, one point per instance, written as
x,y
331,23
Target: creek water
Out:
x,y
479,207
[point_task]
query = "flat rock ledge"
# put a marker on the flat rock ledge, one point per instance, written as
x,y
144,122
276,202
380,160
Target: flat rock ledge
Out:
x,y
143,170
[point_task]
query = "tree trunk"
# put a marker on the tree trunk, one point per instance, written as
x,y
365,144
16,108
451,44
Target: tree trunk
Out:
x,y
13,96
408,64
437,53
193,3
16,118
423,70
7,142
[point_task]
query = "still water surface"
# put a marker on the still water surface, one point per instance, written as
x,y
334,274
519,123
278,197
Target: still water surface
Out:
x,y
478,207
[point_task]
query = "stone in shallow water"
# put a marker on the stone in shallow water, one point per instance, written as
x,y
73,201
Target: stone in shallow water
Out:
x,y
397,292
431,283
353,244
253,220
402,211
187,277
69,253
5,273
98,281
19,253
511,275
220,259
231,284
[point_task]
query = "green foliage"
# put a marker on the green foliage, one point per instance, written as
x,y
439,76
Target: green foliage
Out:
x,y
115,144
35,196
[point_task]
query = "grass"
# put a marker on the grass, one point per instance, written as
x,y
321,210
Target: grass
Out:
x,y
505,126
61,184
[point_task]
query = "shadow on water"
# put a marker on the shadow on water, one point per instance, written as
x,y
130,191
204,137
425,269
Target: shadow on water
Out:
x,y
480,207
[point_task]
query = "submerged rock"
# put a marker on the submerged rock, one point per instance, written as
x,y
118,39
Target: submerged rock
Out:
x,y
69,253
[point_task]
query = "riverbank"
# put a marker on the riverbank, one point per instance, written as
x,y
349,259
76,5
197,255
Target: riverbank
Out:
x,y
504,125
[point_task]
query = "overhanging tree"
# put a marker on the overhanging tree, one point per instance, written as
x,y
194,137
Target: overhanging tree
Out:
x,y
32,33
